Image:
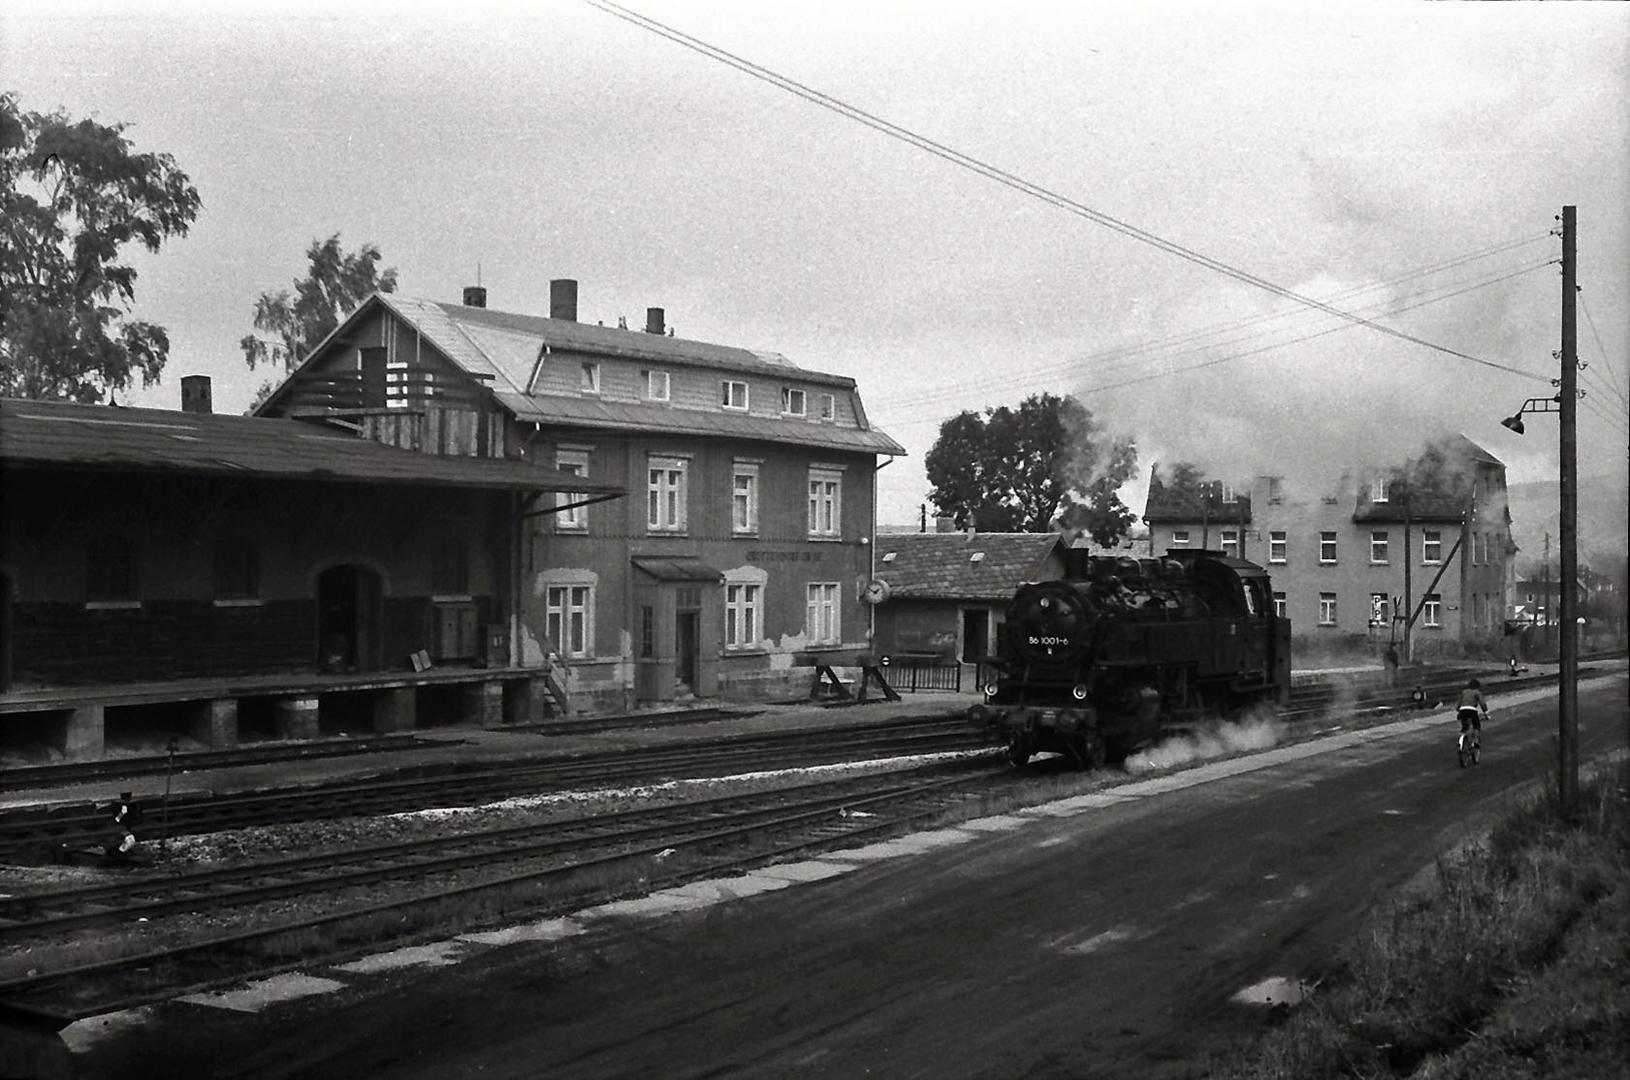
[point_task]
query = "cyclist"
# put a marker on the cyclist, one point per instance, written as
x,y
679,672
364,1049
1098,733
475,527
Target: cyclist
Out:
x,y
1472,709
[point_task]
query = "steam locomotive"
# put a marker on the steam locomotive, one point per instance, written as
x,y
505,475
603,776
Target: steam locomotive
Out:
x,y
1120,651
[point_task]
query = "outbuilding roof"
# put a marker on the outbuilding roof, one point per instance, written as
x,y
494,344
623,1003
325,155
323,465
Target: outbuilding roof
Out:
x,y
64,435
964,566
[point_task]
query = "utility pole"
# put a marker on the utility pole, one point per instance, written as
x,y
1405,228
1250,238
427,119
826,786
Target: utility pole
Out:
x,y
1567,702
1409,561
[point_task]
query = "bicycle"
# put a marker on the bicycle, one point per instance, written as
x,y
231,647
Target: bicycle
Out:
x,y
1469,748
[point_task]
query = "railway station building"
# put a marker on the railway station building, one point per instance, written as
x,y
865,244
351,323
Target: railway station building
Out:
x,y
226,577
737,562
1428,542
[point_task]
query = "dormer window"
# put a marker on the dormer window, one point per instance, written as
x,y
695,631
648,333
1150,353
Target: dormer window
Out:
x,y
734,395
656,386
829,407
1378,489
589,381
792,402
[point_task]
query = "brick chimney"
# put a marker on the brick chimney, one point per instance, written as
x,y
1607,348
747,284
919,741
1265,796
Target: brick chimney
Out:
x,y
475,296
653,320
195,394
563,299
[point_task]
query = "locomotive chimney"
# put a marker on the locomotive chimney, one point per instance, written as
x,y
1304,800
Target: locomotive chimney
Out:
x,y
653,320
195,394
563,299
475,296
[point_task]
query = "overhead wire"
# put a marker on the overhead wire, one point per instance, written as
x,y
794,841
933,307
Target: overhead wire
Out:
x,y
1017,183
1399,303
1106,360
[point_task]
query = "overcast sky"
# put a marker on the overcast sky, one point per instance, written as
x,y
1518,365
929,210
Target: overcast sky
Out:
x,y
1343,152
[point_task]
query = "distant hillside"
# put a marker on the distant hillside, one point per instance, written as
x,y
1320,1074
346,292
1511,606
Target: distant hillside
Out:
x,y
1604,531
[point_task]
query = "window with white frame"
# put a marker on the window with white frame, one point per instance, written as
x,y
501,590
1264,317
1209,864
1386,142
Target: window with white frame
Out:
x,y
657,386
1378,546
665,491
569,517
1378,489
825,504
1279,604
821,613
744,498
733,394
1276,546
589,379
1230,542
1327,547
569,619
1432,610
829,407
792,402
1180,538
1431,546
741,625
1327,609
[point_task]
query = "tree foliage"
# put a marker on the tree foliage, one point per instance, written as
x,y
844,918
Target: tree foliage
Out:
x,y
74,194
1047,464
296,322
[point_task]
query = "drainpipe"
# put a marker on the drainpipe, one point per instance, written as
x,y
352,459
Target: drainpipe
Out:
x,y
871,566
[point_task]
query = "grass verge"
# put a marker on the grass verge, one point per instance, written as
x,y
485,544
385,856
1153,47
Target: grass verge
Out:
x,y
1517,964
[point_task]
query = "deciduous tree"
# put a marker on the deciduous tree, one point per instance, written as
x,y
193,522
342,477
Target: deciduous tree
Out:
x,y
1047,464
74,194
296,322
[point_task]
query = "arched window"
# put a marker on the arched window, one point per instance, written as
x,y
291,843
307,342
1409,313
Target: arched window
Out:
x,y
110,568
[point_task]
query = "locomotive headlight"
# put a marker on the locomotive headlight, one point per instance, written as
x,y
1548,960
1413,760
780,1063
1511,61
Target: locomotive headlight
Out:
x,y
1079,691
991,688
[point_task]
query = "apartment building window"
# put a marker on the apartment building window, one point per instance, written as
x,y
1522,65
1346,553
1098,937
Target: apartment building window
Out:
x,y
825,504
1180,538
589,380
1431,546
734,394
1432,610
569,518
1279,604
1276,489
792,402
1230,542
821,614
1378,546
829,407
666,494
1327,547
569,618
657,386
741,616
744,499
1378,489
110,569
236,569
1327,609
1276,546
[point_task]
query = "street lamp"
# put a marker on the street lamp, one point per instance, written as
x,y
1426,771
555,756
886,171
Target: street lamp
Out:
x,y
1566,403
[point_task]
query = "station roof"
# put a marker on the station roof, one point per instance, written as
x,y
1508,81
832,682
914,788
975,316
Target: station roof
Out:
x,y
958,566
102,438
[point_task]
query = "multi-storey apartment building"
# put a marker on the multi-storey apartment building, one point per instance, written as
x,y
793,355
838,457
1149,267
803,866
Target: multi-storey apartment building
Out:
x,y
736,556
1427,545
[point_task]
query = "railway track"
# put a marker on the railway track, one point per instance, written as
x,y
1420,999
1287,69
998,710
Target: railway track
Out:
x,y
36,833
536,870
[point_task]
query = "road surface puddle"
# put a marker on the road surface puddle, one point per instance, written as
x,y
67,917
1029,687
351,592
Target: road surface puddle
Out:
x,y
1277,990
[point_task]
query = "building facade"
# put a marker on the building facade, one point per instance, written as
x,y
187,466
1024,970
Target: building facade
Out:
x,y
739,555
1421,552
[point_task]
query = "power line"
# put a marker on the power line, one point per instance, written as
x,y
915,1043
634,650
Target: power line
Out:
x,y
1001,176
1421,298
1601,352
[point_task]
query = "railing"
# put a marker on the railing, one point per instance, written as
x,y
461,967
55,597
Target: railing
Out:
x,y
924,671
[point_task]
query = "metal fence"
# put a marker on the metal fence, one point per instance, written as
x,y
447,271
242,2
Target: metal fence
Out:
x,y
925,672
